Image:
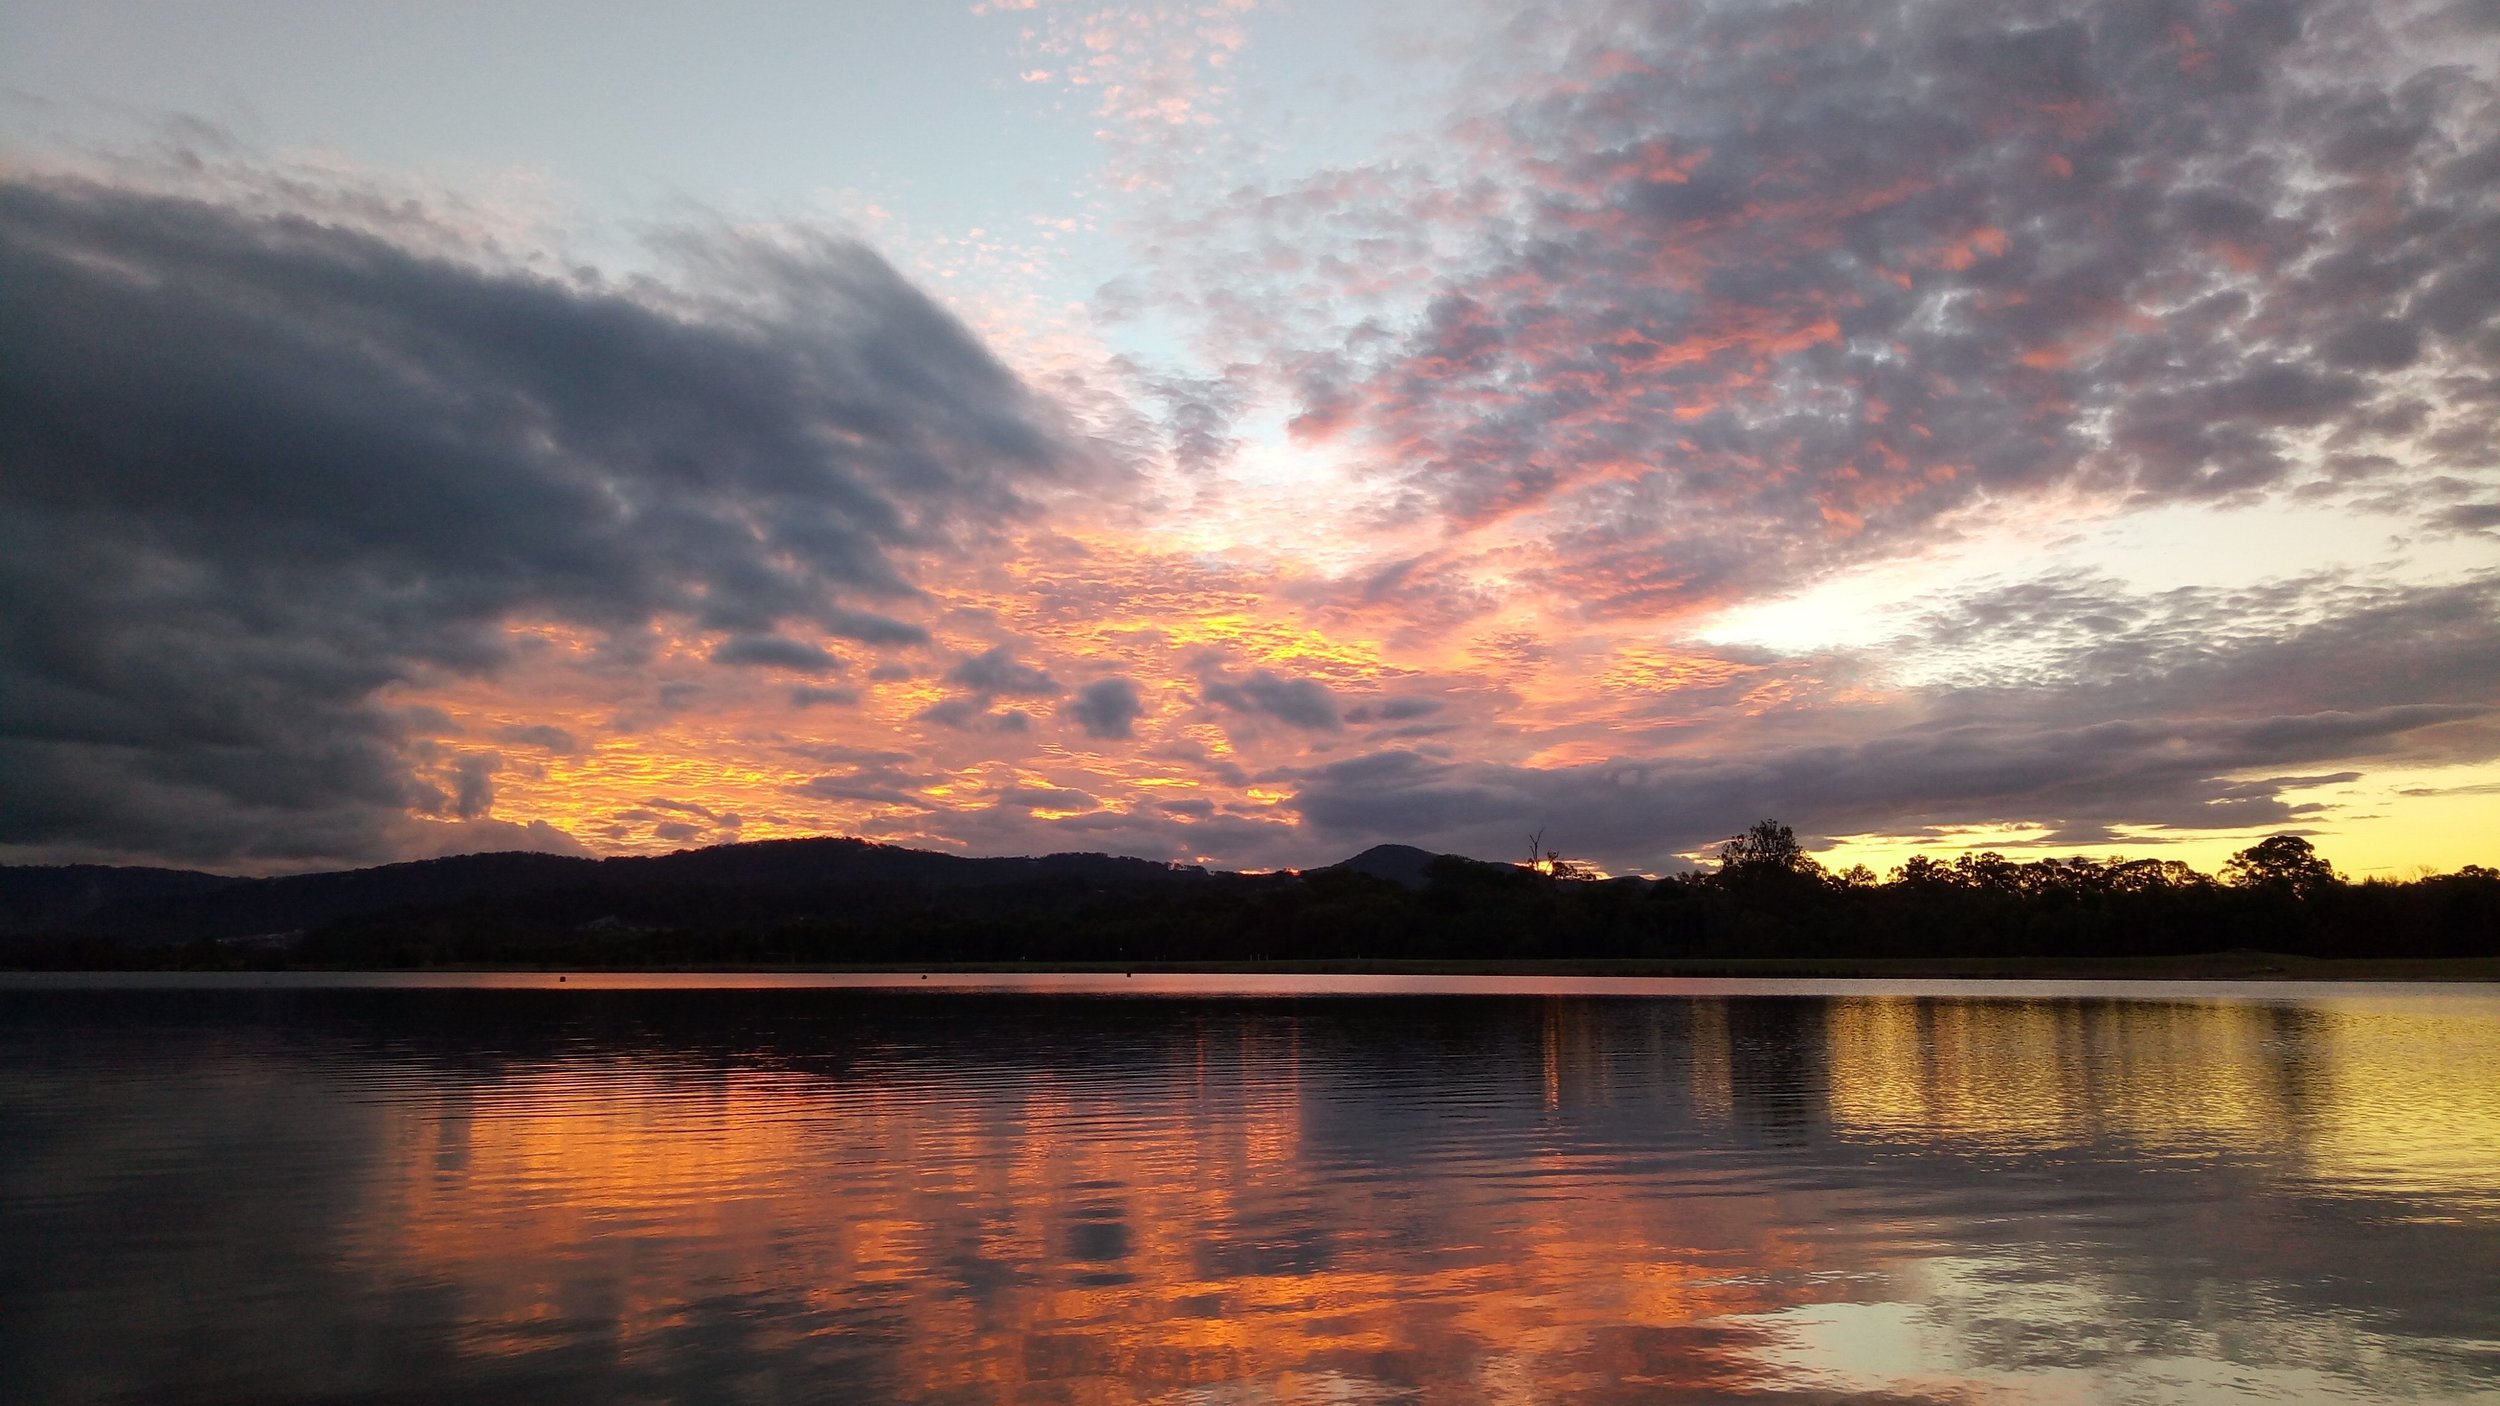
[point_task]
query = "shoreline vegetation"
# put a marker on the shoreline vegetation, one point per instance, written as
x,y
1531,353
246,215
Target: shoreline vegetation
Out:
x,y
2232,967
2278,911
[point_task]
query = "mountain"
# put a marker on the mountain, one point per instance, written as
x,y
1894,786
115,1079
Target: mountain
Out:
x,y
838,902
166,905
1403,865
63,897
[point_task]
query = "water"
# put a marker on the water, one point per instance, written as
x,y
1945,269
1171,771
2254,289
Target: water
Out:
x,y
780,1190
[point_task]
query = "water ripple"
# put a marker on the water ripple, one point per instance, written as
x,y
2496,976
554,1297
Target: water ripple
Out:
x,y
792,1192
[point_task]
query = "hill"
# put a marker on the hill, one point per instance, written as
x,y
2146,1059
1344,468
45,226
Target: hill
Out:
x,y
838,902
159,906
1403,865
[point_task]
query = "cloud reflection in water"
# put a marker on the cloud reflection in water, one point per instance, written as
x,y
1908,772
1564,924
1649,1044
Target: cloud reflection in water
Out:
x,y
750,1195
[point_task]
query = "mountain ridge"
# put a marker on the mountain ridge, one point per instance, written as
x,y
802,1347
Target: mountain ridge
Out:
x,y
145,904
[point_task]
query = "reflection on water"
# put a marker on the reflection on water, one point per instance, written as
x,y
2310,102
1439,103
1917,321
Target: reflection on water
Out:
x,y
873,1196
2395,1097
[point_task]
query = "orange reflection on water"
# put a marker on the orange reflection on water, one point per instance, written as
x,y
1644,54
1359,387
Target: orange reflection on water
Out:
x,y
1596,1209
1051,1237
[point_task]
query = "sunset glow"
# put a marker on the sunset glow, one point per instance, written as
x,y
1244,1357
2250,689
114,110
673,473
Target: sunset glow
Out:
x,y
1241,433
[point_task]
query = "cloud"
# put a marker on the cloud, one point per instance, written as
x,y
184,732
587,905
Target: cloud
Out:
x,y
2083,646
258,466
1050,798
1302,703
2083,782
473,785
428,839
1010,826
1690,305
724,820
971,713
775,652
986,676
868,628
997,671
1723,295
1106,708
1395,710
1151,74
2088,710
544,736
877,780
1198,416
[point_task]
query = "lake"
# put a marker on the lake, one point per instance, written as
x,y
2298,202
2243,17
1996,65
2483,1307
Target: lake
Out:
x,y
1104,1189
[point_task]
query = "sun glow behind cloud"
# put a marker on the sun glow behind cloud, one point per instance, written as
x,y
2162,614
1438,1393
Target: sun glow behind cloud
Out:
x,y
1963,428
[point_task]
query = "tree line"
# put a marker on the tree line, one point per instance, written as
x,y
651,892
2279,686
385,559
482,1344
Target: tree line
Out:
x,y
1764,898
1768,897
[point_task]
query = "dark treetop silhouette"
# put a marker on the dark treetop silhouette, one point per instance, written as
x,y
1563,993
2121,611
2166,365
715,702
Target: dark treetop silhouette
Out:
x,y
840,901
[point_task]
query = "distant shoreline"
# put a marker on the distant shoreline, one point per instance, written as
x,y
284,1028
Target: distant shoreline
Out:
x,y
838,904
2217,966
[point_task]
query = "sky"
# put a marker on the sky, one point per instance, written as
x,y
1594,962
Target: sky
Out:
x,y
1240,432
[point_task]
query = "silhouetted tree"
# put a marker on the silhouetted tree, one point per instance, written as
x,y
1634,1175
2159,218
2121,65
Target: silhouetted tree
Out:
x,y
1988,870
2281,861
1780,899
1921,872
2152,875
1767,845
1551,864
761,905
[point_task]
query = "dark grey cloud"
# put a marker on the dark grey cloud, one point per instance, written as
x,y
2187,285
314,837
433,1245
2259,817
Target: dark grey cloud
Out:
x,y
1394,710
775,652
543,736
2489,788
2373,344
1106,708
985,677
1056,798
867,627
726,820
2082,782
678,822
972,713
1768,287
428,719
997,671
836,754
2189,710
2082,647
256,467
881,779
1303,703
473,784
